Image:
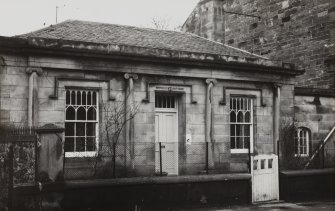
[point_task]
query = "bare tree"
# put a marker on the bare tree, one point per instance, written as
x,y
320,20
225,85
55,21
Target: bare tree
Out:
x,y
163,24
116,116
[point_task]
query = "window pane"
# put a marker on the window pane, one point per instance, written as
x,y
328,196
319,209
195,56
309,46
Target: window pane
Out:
x,y
81,113
70,113
246,130
69,145
84,98
89,98
68,97
91,114
164,101
159,102
238,130
69,129
80,144
239,142
232,116
232,143
80,129
73,98
232,130
94,98
240,117
90,144
246,142
247,117
78,98
90,129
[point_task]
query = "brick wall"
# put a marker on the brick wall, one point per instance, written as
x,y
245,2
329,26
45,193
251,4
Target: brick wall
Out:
x,y
296,31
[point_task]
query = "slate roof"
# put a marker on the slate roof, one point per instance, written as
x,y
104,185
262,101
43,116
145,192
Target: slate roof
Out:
x,y
94,32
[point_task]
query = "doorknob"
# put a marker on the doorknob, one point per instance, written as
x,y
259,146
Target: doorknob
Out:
x,y
162,146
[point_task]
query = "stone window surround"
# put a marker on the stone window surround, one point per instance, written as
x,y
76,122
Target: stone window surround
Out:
x,y
257,101
100,86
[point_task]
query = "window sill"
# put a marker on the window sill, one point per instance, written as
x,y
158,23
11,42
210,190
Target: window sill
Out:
x,y
80,154
301,155
240,151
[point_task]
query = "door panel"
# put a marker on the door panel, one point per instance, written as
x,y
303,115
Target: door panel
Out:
x,y
166,127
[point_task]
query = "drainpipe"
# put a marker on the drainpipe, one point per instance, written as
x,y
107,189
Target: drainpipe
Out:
x,y
209,127
130,124
33,95
276,121
2,65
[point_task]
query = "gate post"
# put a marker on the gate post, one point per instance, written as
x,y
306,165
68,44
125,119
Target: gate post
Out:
x,y
50,153
10,176
160,159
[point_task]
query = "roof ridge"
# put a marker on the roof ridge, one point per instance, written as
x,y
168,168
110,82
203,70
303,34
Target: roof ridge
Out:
x,y
121,25
238,49
43,29
100,23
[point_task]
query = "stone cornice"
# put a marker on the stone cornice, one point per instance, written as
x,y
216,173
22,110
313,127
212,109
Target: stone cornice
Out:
x,y
143,54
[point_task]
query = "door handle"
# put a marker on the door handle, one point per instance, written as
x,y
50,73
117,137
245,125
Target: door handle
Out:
x,y
162,146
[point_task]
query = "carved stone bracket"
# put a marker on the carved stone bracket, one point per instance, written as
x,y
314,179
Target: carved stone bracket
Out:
x,y
131,75
58,79
147,97
224,89
276,85
214,81
37,70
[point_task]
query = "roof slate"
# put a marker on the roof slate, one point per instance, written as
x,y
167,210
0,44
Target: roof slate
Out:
x,y
134,36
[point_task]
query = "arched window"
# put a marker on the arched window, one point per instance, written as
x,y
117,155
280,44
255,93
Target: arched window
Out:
x,y
302,139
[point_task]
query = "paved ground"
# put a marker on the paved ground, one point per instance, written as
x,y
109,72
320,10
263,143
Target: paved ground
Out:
x,y
312,206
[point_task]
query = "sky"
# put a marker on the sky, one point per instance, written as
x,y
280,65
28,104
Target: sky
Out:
x,y
23,16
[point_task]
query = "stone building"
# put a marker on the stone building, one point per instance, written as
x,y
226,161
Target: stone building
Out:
x,y
300,32
190,91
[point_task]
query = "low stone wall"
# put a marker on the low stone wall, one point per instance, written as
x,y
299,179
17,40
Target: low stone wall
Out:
x,y
307,185
143,193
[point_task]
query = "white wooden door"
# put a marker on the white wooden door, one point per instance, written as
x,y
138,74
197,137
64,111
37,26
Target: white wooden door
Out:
x,y
166,132
265,181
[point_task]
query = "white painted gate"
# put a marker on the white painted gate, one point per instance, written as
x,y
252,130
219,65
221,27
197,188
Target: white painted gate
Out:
x,y
166,132
265,180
